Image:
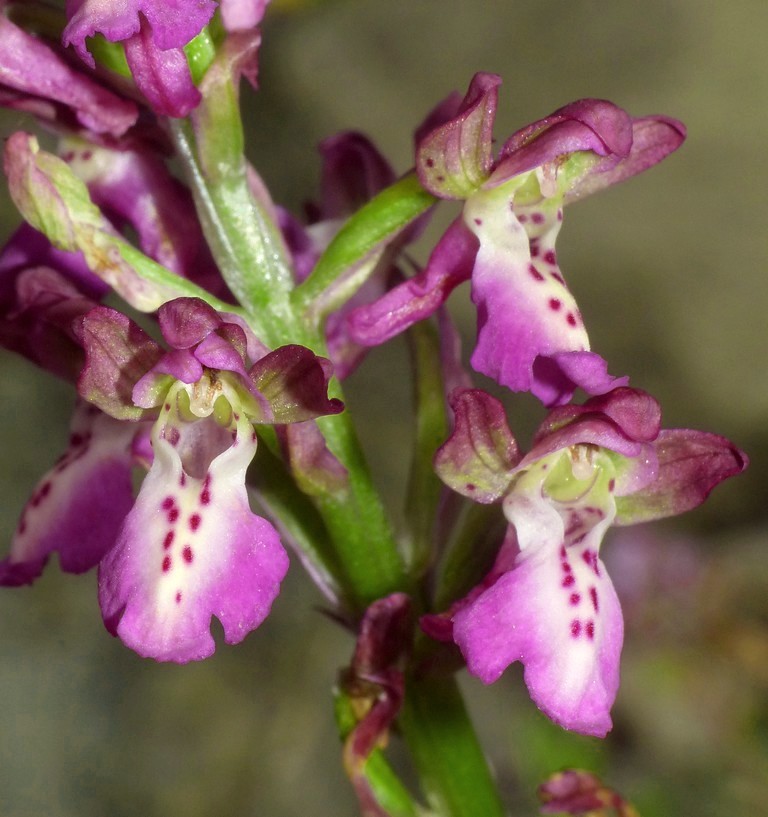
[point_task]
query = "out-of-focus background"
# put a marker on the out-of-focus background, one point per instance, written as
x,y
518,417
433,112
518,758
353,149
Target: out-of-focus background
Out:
x,y
670,272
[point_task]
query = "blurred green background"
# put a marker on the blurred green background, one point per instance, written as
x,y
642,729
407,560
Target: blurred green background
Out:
x,y
669,271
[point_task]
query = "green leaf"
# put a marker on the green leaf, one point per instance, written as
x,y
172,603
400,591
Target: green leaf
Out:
x,y
357,247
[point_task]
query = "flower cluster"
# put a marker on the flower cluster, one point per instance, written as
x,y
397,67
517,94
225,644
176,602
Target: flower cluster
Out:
x,y
248,315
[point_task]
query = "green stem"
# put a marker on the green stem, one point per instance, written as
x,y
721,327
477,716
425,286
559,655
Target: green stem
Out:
x,y
451,765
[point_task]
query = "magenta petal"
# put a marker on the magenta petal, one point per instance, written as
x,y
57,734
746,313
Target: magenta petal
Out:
x,y
78,507
185,322
593,125
568,636
449,265
525,311
35,72
654,138
191,549
556,377
173,23
162,76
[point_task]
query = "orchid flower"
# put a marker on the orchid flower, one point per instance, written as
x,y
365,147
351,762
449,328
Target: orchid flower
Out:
x,y
530,333
549,602
154,34
191,547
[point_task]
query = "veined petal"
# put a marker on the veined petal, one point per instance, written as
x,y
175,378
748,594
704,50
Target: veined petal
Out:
x,y
478,458
191,549
78,507
592,126
454,159
654,138
527,317
690,465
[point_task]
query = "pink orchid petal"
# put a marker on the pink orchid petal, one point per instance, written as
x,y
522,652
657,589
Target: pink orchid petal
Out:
x,y
556,611
78,507
654,138
34,71
191,549
526,315
173,23
162,76
449,265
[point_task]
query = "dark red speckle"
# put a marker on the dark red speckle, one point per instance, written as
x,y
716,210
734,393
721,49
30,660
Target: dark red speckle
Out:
x,y
187,554
554,304
575,599
535,274
575,628
549,257
166,564
593,596
571,318
194,521
569,581
168,541
590,630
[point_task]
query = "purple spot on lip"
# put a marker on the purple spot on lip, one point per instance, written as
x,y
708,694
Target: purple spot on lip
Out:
x,y
571,318
166,564
168,541
575,628
593,596
568,581
537,218
187,554
590,629
575,599
535,273
554,304
194,521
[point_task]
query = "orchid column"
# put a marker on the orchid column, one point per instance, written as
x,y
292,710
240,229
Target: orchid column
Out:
x,y
225,395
